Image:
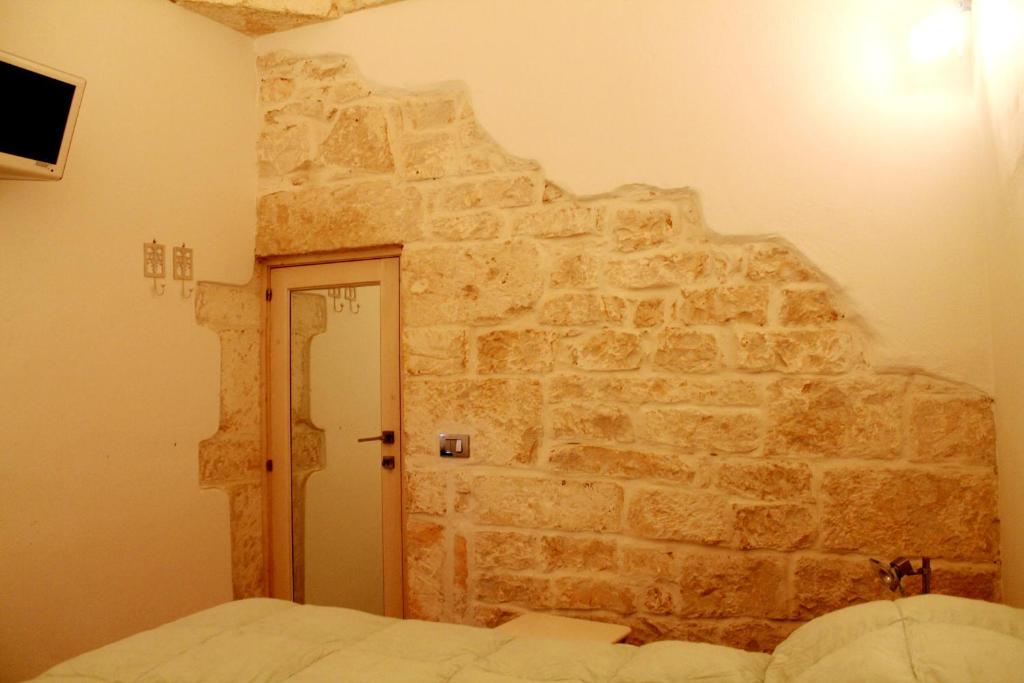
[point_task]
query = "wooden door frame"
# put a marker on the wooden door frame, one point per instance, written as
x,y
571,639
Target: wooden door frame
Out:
x,y
266,265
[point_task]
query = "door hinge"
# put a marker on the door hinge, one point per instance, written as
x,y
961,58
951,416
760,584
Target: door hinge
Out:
x,y
270,294
270,465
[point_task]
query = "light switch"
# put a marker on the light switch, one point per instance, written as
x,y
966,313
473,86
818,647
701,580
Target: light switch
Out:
x,y
453,445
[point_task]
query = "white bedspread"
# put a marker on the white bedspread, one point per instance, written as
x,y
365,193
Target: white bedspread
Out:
x,y
928,638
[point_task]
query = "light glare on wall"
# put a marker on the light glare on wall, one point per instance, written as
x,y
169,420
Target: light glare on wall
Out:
x,y
942,33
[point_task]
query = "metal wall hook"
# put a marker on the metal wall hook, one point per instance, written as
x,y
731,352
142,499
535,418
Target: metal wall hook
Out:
x,y
154,265
183,267
335,294
350,296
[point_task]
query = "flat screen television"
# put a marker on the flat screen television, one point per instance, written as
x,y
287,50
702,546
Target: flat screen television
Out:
x,y
38,110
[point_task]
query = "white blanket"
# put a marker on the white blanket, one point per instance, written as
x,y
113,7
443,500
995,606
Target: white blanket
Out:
x,y
928,638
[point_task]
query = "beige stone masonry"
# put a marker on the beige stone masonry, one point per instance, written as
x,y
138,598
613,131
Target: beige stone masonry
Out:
x,y
233,458
259,17
671,430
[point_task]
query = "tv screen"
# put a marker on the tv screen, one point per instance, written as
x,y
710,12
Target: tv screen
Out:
x,y
32,122
38,108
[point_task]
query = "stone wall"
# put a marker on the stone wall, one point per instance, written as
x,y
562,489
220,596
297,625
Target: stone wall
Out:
x,y
671,429
260,17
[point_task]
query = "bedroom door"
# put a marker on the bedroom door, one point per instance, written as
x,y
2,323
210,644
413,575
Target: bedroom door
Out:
x,y
335,440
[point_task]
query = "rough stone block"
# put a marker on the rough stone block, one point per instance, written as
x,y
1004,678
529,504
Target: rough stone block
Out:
x,y
823,584
460,575
357,214
359,142
765,480
431,109
775,527
666,270
574,271
849,418
437,154
426,492
241,382
978,582
659,599
911,512
808,307
588,421
636,229
953,429
559,220
506,550
693,430
479,285
577,554
434,351
776,263
720,305
810,351
275,89
229,307
684,350
489,616
649,313
610,462
700,392
286,147
536,503
245,504
755,635
478,225
529,591
658,562
604,350
424,570
225,460
515,351
582,309
501,192
733,585
504,417
325,68
261,19
673,514
584,593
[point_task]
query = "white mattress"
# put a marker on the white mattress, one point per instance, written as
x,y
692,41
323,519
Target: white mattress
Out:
x,y
927,638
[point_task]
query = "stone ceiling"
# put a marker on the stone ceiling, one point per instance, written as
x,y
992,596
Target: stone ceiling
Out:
x,y
259,17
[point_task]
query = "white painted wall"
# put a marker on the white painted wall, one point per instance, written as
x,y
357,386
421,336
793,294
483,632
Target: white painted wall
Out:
x,y
105,390
1000,28
788,116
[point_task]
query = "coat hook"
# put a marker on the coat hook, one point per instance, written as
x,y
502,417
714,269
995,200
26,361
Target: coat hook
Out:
x,y
350,296
183,262
335,294
154,264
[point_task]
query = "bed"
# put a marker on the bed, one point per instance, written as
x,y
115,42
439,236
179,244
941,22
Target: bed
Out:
x,y
924,638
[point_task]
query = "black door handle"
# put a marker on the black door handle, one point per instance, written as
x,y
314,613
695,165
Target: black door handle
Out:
x,y
385,437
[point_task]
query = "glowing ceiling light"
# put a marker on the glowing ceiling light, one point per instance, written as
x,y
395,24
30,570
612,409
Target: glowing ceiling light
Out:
x,y
940,34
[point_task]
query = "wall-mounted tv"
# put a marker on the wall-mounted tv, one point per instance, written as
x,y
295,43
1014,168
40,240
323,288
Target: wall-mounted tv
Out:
x,y
38,110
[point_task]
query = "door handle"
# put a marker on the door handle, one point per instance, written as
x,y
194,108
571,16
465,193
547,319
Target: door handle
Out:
x,y
386,436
